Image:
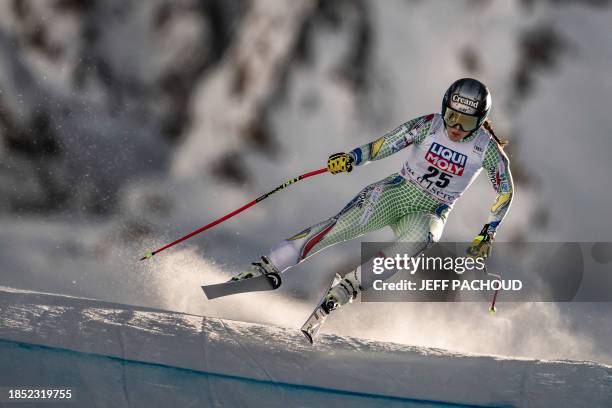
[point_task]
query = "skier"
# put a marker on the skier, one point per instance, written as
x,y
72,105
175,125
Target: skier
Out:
x,y
444,154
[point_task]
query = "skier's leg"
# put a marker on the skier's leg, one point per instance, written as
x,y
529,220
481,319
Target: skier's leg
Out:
x,y
373,208
414,233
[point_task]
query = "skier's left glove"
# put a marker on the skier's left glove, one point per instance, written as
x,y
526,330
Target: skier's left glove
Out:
x,y
340,162
481,245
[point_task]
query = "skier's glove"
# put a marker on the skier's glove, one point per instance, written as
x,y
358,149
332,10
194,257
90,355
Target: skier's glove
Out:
x,y
340,162
481,245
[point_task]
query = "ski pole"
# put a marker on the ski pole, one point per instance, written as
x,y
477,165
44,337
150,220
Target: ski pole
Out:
x,y
492,308
237,211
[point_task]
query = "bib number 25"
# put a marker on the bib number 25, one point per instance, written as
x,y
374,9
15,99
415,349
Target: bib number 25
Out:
x,y
443,178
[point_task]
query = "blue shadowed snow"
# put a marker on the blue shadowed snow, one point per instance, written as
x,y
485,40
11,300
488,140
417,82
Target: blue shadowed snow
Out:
x,y
118,355
109,381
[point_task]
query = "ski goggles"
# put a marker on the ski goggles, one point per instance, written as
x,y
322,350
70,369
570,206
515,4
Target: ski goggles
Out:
x,y
466,122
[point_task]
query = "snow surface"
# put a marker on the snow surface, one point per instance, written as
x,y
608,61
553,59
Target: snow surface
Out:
x,y
117,355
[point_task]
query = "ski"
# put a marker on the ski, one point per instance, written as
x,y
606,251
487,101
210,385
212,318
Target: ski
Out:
x,y
259,283
311,328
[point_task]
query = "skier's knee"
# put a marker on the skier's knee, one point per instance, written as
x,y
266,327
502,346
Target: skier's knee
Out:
x,y
284,255
431,239
435,230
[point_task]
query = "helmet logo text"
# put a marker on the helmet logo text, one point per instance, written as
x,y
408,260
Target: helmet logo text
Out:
x,y
465,101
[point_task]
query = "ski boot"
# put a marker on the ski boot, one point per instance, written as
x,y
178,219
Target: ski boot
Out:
x,y
265,267
342,291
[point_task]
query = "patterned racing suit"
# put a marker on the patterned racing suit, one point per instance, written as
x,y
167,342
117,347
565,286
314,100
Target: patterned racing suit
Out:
x,y
414,202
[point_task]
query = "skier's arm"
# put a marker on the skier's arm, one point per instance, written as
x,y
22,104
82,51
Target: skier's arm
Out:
x,y
413,131
497,165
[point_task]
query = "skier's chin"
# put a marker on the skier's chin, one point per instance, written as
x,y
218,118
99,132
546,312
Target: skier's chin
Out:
x,y
455,134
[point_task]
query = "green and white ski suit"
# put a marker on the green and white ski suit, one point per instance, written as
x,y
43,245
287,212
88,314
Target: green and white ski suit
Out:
x,y
414,202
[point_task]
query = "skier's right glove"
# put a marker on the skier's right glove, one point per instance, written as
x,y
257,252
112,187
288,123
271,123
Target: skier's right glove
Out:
x,y
340,162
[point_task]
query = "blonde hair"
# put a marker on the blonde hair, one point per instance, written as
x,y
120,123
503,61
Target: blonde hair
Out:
x,y
488,125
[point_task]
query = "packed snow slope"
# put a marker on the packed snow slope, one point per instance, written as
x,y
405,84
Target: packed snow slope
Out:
x,y
117,355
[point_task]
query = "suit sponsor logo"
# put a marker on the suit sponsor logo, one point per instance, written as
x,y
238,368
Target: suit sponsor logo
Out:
x,y
374,196
446,159
399,145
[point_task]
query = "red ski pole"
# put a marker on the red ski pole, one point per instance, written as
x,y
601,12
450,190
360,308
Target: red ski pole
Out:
x,y
238,211
492,308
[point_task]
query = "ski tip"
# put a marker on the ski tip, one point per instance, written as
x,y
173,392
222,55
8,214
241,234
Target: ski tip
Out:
x,y
204,290
308,336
